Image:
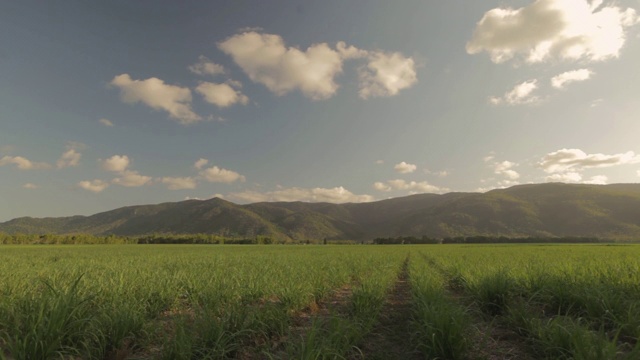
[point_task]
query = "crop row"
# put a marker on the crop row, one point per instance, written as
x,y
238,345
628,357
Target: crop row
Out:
x,y
315,302
181,302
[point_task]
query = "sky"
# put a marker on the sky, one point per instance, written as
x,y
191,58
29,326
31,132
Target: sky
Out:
x,y
105,104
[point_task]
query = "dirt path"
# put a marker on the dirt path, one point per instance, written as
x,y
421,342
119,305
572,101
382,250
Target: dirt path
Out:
x,y
390,337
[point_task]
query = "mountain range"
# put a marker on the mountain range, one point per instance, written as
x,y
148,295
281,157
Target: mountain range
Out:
x,y
547,210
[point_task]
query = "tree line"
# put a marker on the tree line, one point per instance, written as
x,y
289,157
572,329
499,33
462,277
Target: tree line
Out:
x,y
481,239
86,239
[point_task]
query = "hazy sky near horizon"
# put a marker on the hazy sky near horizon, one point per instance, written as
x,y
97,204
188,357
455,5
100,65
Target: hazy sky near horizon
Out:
x,y
113,103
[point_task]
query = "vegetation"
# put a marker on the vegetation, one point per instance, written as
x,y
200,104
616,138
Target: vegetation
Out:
x,y
318,302
540,211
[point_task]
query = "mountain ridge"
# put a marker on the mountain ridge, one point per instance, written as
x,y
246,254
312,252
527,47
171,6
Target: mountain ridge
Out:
x,y
550,209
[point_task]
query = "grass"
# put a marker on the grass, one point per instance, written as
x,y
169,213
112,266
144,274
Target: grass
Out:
x,y
440,325
198,302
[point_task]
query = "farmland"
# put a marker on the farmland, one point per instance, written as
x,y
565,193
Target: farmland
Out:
x,y
320,302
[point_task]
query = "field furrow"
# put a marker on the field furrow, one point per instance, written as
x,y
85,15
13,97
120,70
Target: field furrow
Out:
x,y
388,338
319,302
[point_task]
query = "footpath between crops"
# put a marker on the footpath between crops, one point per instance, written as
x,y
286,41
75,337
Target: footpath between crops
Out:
x,y
389,338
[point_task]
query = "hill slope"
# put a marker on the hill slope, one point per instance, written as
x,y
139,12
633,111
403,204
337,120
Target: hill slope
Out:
x,y
555,209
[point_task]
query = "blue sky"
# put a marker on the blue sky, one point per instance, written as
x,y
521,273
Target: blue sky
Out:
x,y
108,104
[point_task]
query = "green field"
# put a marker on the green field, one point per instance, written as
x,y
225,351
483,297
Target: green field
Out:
x,y
320,302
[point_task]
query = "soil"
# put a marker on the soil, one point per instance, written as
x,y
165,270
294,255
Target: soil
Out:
x,y
390,337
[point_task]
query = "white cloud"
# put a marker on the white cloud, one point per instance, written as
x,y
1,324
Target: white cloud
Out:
x,y
105,122
221,95
131,179
404,168
505,169
399,184
574,177
200,163
484,189
350,52
154,93
380,186
216,174
332,195
386,74
597,180
23,163
204,66
266,60
94,185
568,177
545,29
179,183
564,160
116,163
559,81
507,183
379,162
71,157
30,186
520,94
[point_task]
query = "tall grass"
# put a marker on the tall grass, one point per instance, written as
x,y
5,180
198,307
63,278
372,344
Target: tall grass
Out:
x,y
176,301
440,326
198,301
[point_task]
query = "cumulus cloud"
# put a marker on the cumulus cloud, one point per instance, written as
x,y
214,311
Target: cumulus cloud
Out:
x,y
30,186
574,177
219,175
204,66
221,95
200,163
399,184
568,177
332,195
546,29
380,186
71,157
130,178
564,160
154,93
116,163
520,94
505,169
95,186
179,183
23,163
404,168
267,60
105,122
597,180
350,52
386,74
559,81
